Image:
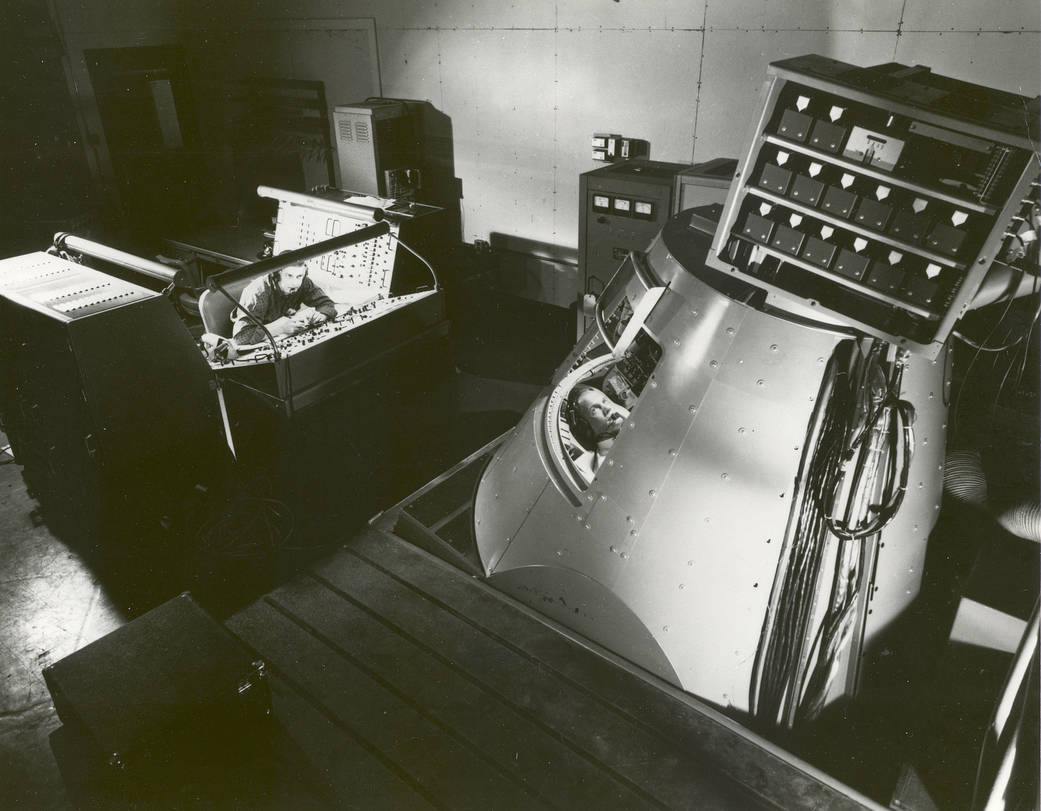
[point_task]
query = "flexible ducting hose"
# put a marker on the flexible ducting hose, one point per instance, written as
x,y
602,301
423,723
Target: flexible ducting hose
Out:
x,y
965,482
964,479
1022,519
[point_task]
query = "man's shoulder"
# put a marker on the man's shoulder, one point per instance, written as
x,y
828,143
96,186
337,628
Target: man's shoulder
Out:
x,y
255,288
584,462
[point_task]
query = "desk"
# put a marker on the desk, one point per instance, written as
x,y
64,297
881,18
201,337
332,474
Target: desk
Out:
x,y
340,421
322,361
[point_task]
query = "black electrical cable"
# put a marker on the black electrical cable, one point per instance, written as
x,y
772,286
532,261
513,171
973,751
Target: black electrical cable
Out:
x,y
832,636
599,281
1026,344
981,347
253,319
830,461
798,566
251,525
782,664
433,273
901,417
897,417
845,416
794,616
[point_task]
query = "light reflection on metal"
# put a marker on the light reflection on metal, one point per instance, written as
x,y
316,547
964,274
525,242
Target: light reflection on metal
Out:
x,y
672,549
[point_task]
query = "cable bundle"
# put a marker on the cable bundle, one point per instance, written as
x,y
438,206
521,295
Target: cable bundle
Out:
x,y
250,525
851,483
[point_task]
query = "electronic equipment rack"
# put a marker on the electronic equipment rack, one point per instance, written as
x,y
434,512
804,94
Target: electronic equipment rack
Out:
x,y
880,197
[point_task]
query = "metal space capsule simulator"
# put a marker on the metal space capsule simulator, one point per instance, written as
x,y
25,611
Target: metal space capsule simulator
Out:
x,y
732,477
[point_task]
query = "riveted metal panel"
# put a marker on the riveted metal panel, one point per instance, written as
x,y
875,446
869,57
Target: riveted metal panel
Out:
x,y
645,450
922,16
409,63
584,605
901,554
510,487
806,14
671,56
683,524
592,15
588,539
710,547
490,108
1001,57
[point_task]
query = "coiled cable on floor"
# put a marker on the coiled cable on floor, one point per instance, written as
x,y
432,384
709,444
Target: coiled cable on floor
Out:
x,y
249,525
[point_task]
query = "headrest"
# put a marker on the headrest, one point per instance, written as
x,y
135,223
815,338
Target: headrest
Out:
x,y
215,308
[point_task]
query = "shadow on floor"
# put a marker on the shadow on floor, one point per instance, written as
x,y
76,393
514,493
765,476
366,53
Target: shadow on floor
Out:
x,y
61,589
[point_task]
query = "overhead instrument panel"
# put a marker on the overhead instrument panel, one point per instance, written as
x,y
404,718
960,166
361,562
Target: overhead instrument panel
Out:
x,y
880,196
368,264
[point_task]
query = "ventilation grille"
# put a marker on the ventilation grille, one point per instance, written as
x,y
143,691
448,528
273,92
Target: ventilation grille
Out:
x,y
361,131
33,268
346,134
108,298
65,288
78,292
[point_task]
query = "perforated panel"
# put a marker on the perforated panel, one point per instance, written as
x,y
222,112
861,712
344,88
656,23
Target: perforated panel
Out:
x,y
64,289
32,268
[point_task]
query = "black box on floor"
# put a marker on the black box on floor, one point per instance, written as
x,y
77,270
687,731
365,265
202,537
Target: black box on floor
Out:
x,y
171,683
248,776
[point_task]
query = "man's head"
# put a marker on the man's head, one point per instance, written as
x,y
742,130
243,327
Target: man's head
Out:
x,y
593,416
289,278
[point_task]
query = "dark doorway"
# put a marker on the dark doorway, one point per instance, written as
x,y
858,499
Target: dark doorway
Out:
x,y
45,178
145,101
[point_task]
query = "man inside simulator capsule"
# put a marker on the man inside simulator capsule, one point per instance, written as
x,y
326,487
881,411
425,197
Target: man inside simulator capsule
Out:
x,y
595,420
286,301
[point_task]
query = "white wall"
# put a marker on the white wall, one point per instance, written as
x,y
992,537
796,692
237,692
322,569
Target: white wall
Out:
x,y
526,83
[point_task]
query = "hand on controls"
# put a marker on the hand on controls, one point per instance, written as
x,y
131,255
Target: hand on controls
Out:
x,y
284,326
296,321
307,317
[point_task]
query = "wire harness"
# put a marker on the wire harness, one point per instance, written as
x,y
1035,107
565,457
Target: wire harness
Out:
x,y
850,485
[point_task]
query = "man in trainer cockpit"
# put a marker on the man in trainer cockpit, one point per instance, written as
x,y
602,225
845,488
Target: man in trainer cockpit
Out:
x,y
285,301
595,420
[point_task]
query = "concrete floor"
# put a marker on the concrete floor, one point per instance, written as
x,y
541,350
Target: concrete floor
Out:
x,y
54,599
51,604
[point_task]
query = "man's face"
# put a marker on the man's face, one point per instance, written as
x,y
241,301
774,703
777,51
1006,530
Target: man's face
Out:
x,y
604,416
292,278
